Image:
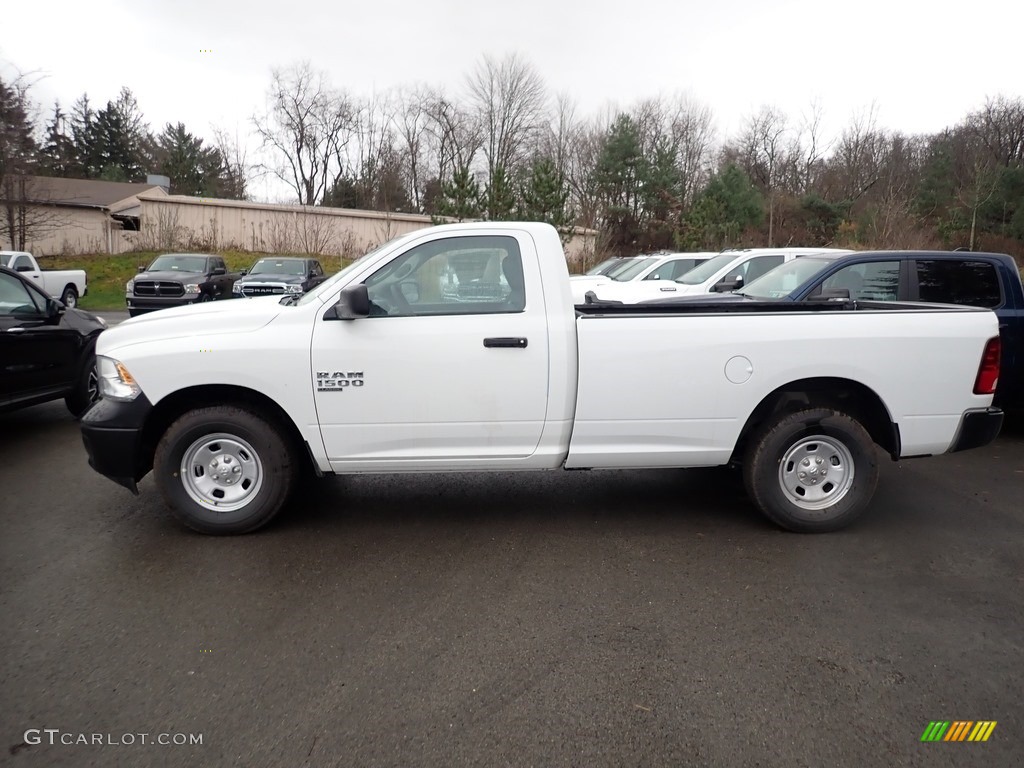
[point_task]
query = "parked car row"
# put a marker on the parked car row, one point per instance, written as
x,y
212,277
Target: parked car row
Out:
x,y
179,279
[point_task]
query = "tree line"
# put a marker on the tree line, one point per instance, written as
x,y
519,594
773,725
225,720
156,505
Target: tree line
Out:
x,y
653,176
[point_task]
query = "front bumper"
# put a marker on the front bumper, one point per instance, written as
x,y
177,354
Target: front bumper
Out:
x,y
977,428
112,432
153,303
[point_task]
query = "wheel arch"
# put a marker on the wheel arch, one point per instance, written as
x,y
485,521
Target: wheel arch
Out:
x,y
851,397
167,410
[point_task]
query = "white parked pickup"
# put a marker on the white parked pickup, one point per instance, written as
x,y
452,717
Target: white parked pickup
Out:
x,y
726,271
392,366
68,285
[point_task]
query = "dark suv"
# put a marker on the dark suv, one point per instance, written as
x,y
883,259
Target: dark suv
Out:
x,y
177,279
47,350
279,275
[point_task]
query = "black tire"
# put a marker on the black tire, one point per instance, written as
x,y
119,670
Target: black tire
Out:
x,y
221,431
70,296
87,390
844,446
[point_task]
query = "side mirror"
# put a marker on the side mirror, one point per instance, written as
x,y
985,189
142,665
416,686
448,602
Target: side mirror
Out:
x,y
142,268
353,302
728,284
243,273
219,271
54,308
311,274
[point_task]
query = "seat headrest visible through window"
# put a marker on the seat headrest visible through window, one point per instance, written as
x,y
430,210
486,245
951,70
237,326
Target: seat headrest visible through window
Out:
x,y
512,268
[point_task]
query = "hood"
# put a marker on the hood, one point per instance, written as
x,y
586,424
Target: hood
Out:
x,y
171,275
199,320
270,277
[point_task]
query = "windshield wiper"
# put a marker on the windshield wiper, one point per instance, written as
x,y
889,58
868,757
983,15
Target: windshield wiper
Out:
x,y
290,299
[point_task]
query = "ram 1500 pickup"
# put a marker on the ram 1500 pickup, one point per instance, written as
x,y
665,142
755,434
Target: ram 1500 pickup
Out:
x,y
68,285
393,365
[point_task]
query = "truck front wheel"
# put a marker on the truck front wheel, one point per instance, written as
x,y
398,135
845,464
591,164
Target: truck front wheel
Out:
x,y
224,470
811,471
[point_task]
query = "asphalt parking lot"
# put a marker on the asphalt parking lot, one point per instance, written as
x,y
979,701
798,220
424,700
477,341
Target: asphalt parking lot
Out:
x,y
588,619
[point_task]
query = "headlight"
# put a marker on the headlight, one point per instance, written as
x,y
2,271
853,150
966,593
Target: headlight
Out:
x,y
129,286
115,381
293,289
191,287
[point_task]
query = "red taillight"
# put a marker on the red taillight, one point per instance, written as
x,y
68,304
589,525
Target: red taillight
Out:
x,y
988,371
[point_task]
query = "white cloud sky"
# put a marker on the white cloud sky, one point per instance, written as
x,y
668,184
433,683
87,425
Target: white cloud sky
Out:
x,y
922,64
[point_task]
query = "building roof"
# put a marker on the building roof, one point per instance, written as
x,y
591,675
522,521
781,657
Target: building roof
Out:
x,y
86,193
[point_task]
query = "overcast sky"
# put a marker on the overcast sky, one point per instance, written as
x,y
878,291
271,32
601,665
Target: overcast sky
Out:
x,y
923,64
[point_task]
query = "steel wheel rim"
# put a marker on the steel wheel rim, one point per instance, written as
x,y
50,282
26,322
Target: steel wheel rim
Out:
x,y
70,301
816,472
221,472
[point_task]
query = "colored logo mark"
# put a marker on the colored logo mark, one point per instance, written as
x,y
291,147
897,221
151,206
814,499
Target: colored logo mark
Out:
x,y
958,730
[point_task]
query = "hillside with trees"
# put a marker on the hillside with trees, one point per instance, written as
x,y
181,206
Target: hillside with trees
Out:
x,y
500,146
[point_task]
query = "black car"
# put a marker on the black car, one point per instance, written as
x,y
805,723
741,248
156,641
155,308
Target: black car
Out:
x,y
47,350
280,274
177,279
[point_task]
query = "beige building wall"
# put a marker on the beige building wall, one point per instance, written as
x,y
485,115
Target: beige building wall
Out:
x,y
179,222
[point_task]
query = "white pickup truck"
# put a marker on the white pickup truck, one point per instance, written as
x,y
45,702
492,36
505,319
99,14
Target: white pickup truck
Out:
x,y
68,285
388,368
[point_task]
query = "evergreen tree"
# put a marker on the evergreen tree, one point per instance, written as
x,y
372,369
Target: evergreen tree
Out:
x,y
728,206
460,197
545,195
57,156
619,175
499,198
192,168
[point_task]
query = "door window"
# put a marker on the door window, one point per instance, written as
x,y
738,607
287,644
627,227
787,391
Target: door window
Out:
x,y
872,281
454,276
971,283
762,265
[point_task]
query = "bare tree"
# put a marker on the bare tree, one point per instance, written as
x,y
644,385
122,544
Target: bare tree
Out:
x,y
411,124
305,129
762,145
509,99
691,126
238,171
808,148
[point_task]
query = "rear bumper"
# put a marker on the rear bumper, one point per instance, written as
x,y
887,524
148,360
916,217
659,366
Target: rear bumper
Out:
x,y
112,432
977,428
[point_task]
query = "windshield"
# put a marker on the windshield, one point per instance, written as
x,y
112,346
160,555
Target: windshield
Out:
x,y
278,267
705,271
784,279
631,270
604,266
174,263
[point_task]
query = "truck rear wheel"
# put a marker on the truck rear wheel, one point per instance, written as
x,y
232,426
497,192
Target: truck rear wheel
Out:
x,y
224,470
812,471
70,297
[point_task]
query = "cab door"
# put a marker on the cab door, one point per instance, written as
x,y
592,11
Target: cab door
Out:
x,y
451,365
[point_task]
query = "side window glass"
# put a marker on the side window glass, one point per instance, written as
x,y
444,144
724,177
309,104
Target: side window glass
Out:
x,y
874,281
754,268
454,276
664,272
971,283
317,269
19,263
